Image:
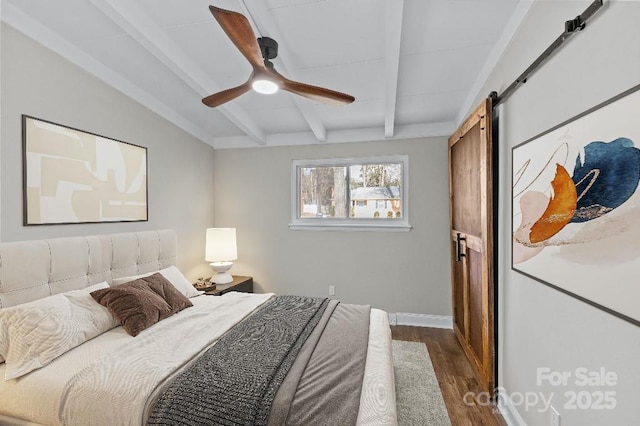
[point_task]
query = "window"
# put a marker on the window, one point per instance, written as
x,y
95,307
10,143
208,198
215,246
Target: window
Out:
x,y
350,193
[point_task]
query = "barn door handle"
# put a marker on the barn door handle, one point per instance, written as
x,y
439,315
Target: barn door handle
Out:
x,y
459,253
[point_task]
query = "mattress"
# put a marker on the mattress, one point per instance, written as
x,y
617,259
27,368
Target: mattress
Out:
x,y
63,391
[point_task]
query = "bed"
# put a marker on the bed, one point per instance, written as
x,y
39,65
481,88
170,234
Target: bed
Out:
x,y
205,364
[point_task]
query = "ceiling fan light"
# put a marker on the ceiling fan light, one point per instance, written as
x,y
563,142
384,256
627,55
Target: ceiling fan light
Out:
x,y
266,87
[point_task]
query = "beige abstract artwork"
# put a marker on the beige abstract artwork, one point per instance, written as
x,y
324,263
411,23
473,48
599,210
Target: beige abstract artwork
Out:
x,y
71,176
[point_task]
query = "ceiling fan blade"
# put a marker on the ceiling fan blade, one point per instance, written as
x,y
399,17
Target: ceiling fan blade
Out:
x,y
219,98
320,94
239,31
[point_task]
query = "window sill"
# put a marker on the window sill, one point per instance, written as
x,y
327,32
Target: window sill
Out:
x,y
349,227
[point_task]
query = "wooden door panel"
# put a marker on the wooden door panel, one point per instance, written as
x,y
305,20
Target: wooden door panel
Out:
x,y
476,326
471,204
459,288
466,197
458,294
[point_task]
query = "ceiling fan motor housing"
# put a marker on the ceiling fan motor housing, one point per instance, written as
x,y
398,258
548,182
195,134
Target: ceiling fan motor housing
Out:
x,y
268,47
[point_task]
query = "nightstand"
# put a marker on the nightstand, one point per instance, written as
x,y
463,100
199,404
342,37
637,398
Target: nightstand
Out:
x,y
241,284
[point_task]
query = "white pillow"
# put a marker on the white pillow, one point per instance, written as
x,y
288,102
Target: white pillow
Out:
x,y
172,274
34,334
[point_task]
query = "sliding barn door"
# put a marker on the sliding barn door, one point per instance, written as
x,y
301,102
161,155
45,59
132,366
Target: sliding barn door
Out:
x,y
470,194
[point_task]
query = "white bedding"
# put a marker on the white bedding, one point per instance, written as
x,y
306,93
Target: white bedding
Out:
x,y
67,392
378,397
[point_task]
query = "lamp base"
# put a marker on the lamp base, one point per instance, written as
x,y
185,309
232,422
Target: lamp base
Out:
x,y
221,276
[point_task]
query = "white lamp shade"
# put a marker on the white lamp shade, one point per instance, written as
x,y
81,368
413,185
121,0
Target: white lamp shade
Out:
x,y
221,245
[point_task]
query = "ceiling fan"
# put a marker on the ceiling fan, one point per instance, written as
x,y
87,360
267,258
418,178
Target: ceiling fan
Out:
x,y
264,78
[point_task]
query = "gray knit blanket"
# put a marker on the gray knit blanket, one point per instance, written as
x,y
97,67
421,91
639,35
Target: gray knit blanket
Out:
x,y
235,381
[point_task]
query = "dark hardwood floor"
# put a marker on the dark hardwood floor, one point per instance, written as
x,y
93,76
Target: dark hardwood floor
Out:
x,y
455,376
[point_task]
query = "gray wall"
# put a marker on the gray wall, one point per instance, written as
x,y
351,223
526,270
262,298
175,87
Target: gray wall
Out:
x,y
541,327
38,82
395,271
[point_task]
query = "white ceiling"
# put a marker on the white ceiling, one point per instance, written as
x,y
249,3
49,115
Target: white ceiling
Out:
x,y
414,66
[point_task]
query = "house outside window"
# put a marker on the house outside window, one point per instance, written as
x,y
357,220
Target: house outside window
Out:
x,y
367,193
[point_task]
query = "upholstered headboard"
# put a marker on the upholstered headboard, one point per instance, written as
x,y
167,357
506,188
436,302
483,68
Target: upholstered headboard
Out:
x,y
31,270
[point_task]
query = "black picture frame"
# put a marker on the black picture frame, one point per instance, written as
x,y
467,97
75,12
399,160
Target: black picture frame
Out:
x,y
71,176
592,255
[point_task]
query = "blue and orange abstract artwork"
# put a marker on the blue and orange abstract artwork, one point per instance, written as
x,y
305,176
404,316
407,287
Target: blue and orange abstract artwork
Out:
x,y
576,207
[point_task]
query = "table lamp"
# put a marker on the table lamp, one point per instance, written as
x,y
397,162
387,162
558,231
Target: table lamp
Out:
x,y
221,250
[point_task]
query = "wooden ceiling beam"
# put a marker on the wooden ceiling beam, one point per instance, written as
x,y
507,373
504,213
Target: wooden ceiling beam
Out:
x,y
51,40
409,131
262,14
508,33
127,15
393,39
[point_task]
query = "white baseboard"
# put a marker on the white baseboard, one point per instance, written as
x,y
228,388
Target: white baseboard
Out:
x,y
421,320
509,412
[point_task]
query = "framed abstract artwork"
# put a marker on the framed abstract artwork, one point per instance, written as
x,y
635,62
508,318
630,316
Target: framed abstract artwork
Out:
x,y
576,207
71,176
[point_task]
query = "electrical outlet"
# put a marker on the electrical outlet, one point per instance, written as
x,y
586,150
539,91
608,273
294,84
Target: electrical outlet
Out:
x,y
555,417
332,290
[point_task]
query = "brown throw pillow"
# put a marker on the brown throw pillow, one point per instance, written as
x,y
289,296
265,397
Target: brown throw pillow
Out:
x,y
139,304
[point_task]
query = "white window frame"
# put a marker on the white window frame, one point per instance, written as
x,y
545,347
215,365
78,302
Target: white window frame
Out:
x,y
349,223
